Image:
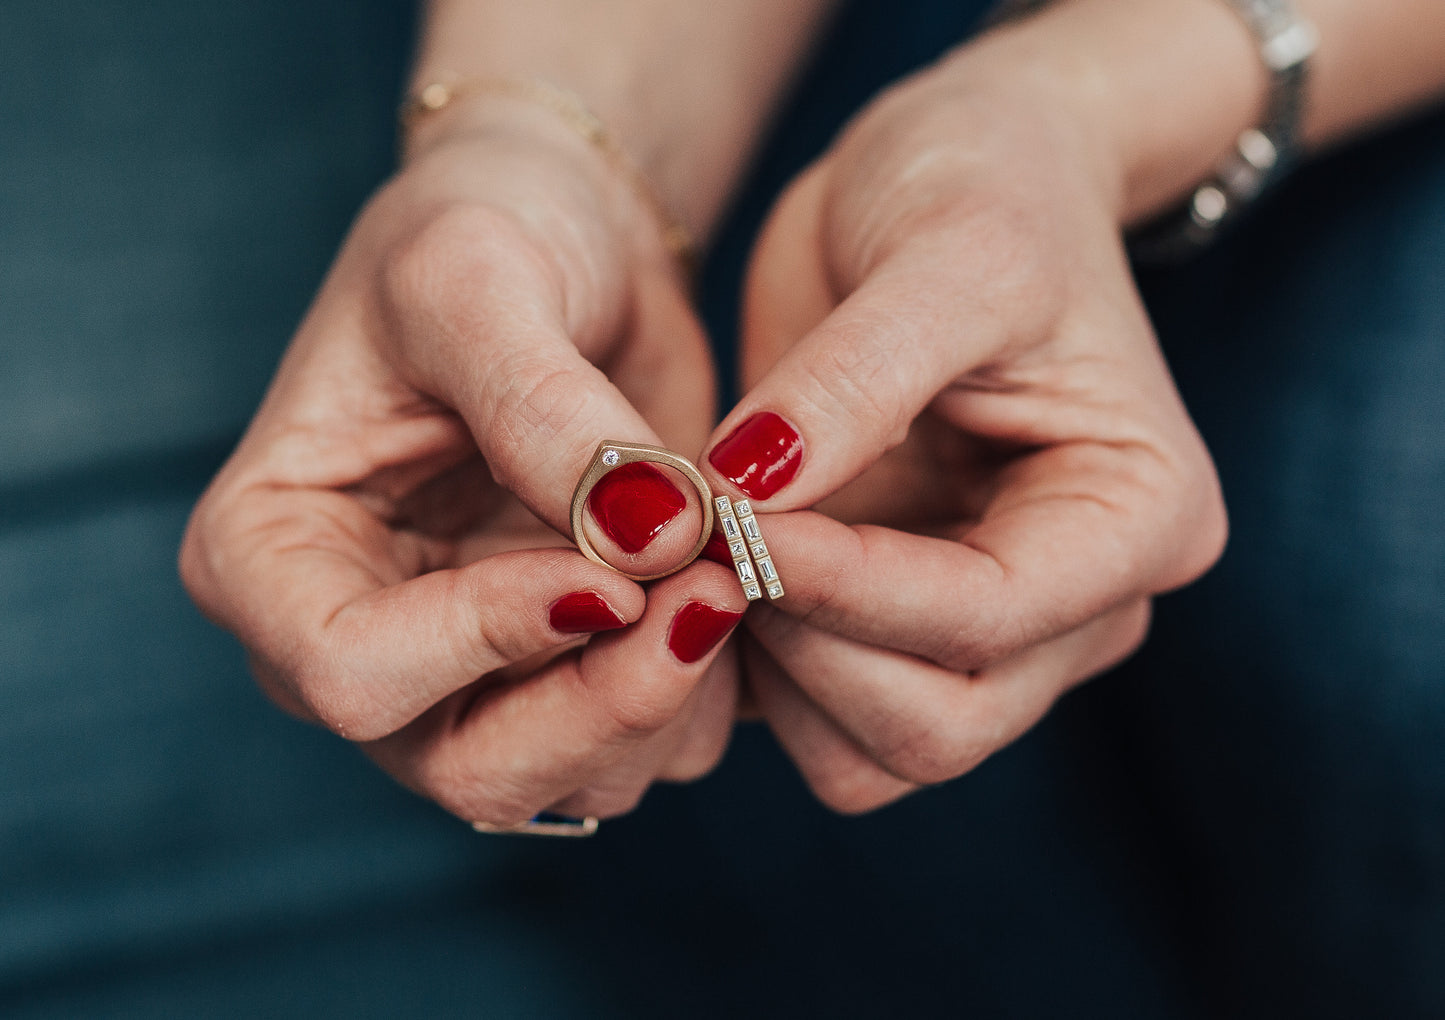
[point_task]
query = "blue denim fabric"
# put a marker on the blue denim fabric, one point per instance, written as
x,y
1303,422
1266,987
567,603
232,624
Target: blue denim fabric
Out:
x,y
1247,820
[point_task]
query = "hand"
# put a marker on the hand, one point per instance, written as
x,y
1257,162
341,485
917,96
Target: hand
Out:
x,y
945,350
387,539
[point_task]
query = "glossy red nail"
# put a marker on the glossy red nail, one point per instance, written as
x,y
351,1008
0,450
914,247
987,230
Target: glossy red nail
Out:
x,y
633,503
697,628
760,456
717,550
583,612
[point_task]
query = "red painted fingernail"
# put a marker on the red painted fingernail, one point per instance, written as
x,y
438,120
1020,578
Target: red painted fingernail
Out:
x,y
633,503
583,612
760,456
697,627
717,550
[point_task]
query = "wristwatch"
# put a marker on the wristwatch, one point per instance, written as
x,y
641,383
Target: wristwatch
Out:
x,y
1260,156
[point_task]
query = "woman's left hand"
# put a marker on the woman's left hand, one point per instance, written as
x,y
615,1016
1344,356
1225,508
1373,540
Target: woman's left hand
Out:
x,y
946,351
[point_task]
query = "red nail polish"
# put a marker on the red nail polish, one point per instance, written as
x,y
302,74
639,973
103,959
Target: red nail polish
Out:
x,y
583,612
717,550
697,627
633,503
760,456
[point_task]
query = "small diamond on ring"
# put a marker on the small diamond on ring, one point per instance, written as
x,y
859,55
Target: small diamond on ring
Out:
x,y
611,457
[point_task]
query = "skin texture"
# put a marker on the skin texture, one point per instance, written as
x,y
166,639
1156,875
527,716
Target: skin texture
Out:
x,y
996,474
942,308
387,538
980,396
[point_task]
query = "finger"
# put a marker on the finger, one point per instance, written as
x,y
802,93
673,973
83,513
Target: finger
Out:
x,y
687,748
490,332
709,725
836,769
847,369
501,755
846,393
924,724
1071,532
364,651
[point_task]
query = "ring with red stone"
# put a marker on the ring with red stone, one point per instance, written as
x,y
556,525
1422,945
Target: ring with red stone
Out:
x,y
611,455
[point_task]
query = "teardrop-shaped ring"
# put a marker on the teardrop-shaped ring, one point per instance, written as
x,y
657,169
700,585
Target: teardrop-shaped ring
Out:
x,y
611,455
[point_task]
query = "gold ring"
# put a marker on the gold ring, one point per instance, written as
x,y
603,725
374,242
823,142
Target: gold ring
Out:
x,y
751,558
612,455
544,824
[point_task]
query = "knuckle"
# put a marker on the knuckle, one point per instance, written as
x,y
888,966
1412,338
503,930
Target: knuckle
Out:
x,y
694,761
1136,631
857,378
853,787
962,650
1211,532
606,802
1202,523
338,701
453,247
935,757
508,633
941,744
202,558
639,711
542,398
192,560
965,648
1128,635
831,582
454,784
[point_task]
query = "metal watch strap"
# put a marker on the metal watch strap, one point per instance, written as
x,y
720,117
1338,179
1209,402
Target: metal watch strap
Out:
x,y
1261,154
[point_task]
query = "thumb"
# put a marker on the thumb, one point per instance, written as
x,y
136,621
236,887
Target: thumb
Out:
x,y
487,329
847,389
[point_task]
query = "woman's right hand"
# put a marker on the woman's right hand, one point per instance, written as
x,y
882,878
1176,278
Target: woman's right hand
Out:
x,y
944,352
387,538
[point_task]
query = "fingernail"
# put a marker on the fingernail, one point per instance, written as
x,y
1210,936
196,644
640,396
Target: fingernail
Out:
x,y
633,503
583,612
697,628
717,550
760,456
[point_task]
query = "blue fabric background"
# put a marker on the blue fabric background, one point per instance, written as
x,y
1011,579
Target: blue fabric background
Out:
x,y
1248,820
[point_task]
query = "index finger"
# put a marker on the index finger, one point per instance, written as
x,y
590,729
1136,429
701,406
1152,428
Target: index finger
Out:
x,y
1072,533
502,754
311,584
485,326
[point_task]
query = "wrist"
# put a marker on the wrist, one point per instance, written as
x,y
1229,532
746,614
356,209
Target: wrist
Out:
x,y
426,114
1161,89
685,89
554,199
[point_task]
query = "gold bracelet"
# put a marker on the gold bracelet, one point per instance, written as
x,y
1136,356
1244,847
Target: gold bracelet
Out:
x,y
438,95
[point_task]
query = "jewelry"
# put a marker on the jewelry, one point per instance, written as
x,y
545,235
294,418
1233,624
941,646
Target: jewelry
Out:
x,y
544,824
1261,155
610,455
572,111
751,558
